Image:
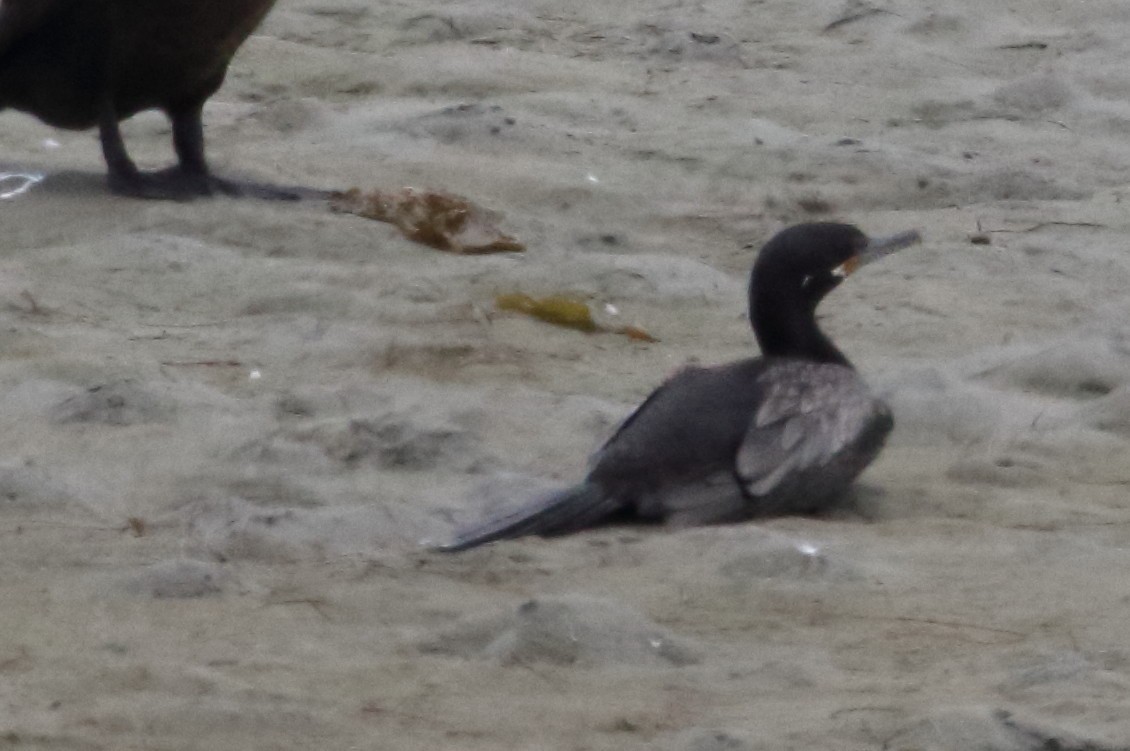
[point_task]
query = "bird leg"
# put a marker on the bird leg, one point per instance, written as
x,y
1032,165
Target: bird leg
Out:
x,y
189,178
188,141
122,169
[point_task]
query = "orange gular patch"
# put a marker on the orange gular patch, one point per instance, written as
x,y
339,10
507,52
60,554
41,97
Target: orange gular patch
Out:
x,y
848,267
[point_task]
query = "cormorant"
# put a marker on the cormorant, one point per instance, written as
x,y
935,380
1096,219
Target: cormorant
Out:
x,y
784,433
82,63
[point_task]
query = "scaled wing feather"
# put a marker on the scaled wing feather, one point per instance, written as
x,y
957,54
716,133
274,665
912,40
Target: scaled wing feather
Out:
x,y
810,413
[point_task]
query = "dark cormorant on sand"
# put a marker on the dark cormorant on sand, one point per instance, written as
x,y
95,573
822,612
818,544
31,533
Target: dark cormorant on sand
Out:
x,y
83,63
783,433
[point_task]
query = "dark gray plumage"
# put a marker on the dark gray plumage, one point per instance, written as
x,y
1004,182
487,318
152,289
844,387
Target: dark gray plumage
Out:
x,y
91,63
784,433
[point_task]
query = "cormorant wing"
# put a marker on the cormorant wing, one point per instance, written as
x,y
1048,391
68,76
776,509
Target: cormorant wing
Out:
x,y
809,414
18,18
659,393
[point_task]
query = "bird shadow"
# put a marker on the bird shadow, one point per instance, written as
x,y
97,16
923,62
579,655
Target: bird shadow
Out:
x,y
80,183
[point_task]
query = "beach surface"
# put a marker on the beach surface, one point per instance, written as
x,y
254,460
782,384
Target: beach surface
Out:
x,y
230,428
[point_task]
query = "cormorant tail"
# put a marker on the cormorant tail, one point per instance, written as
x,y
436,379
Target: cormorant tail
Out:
x,y
556,513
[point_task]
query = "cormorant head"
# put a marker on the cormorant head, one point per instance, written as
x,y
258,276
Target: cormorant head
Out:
x,y
807,261
793,273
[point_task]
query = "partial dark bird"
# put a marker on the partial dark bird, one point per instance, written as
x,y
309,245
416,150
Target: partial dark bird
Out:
x,y
78,64
784,433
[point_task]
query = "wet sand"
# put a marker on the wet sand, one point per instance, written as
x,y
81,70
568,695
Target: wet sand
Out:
x,y
228,426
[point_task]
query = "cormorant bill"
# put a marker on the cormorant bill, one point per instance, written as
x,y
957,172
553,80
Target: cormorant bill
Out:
x,y
82,63
784,433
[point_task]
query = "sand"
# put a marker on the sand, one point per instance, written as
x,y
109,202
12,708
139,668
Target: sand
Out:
x,y
228,426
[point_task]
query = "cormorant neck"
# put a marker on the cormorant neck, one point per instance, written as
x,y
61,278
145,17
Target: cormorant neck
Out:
x,y
785,326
